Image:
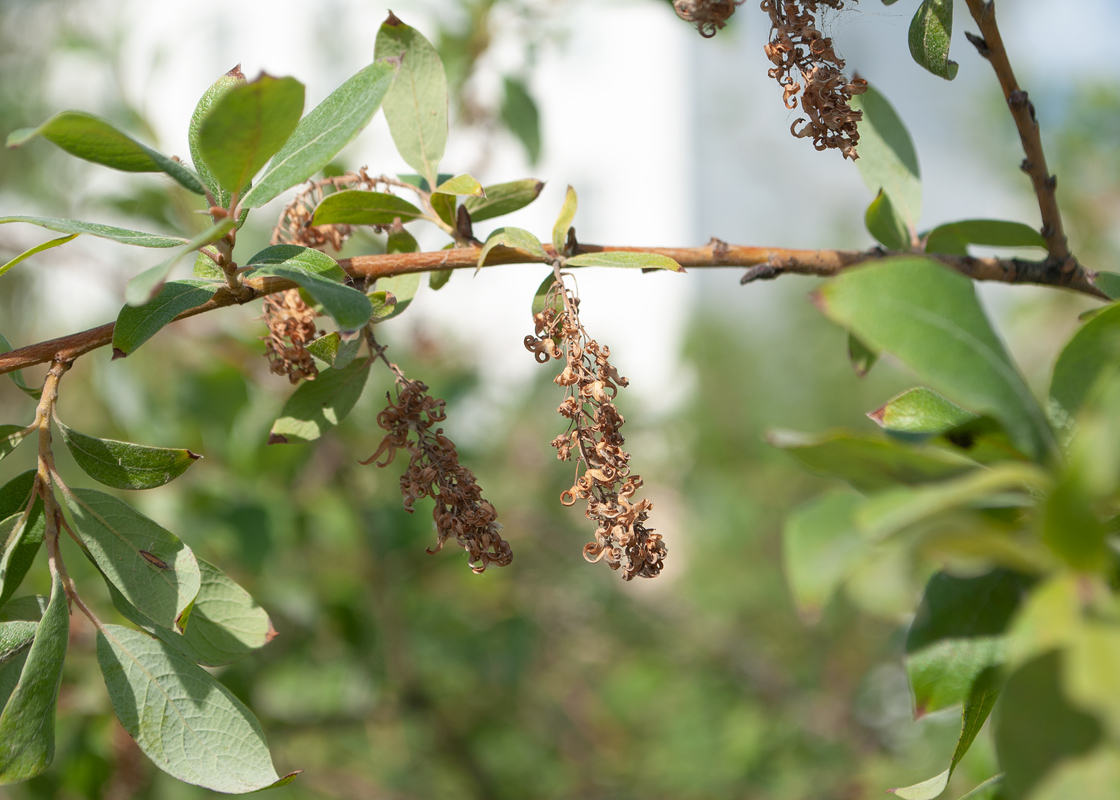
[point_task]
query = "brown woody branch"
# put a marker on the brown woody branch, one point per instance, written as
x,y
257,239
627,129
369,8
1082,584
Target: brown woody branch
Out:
x,y
990,46
762,262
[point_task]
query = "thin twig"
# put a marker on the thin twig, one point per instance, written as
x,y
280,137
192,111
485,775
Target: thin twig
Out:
x,y
990,46
762,263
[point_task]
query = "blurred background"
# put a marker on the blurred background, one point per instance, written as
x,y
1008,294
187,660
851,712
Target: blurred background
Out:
x,y
402,675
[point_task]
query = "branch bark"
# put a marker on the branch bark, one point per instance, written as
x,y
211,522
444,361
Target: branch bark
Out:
x,y
762,262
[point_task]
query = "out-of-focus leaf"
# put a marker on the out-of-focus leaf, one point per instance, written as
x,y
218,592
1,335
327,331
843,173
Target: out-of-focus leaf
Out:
x,y
27,724
863,358
624,259
100,141
1107,282
144,287
446,207
928,316
124,465
503,198
150,566
564,220
954,237
1092,350
37,249
10,437
1091,777
319,275
191,726
821,546
930,33
122,235
246,125
20,536
322,134
887,159
520,115
991,789
437,279
137,324
319,405
517,239
869,463
336,352
540,298
416,105
461,185
883,222
920,411
355,207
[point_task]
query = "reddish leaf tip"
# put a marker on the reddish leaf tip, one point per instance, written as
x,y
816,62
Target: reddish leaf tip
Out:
x,y
193,456
816,297
276,438
236,72
392,20
272,633
877,415
118,353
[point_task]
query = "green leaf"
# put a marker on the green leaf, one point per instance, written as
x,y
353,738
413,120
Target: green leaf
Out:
x,y
863,358
540,298
957,633
624,259
319,275
416,105
564,221
520,115
145,286
124,465
446,206
246,125
187,723
27,724
929,317
324,132
29,608
461,185
17,375
954,237
1092,350
821,547
1035,728
869,463
37,249
226,624
517,239
503,198
319,405
332,349
1090,669
920,411
122,235
1107,282
137,324
885,223
216,90
887,159
356,207
19,536
930,33
991,789
15,637
437,279
100,141
10,437
150,566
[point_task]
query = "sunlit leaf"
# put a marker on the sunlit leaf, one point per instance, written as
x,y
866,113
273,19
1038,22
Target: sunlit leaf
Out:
x,y
319,275
624,259
930,33
564,220
319,405
514,238
461,185
503,198
37,249
144,287
887,159
205,103
124,465
137,324
122,235
355,207
883,222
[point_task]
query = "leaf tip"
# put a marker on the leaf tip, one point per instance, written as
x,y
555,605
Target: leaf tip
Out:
x,y
392,20
877,416
277,438
118,353
817,298
193,456
236,73
272,633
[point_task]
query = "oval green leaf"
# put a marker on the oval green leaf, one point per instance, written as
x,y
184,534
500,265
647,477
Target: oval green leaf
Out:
x,y
929,317
399,290
322,134
216,90
319,405
624,259
187,723
930,33
355,207
462,185
1089,353
885,224
887,158
347,306
516,239
100,141
503,198
124,465
921,411
137,324
150,566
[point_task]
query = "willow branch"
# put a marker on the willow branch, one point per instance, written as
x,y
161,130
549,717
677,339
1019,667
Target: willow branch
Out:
x,y
990,45
762,263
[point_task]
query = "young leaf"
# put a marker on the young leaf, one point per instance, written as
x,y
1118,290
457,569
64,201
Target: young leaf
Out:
x,y
150,566
462,185
328,128
346,305
920,411
145,286
564,220
884,223
122,235
98,140
517,239
520,114
37,249
821,545
246,125
124,465
437,279
226,623
15,637
137,324
27,724
402,289
416,105
332,349
216,90
1092,350
929,317
887,159
869,463
503,198
355,207
19,537
861,356
624,259
319,405
930,33
187,723
446,207
954,237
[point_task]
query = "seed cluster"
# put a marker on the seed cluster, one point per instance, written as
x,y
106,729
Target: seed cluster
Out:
x,y
291,326
434,471
797,44
708,16
594,440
